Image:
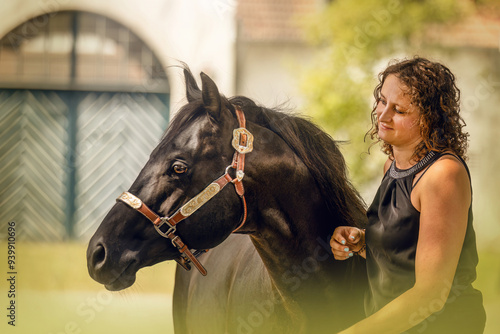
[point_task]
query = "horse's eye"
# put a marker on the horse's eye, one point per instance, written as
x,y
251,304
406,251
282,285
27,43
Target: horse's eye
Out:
x,y
179,168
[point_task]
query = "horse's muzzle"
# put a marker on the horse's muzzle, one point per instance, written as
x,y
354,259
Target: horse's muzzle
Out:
x,y
114,273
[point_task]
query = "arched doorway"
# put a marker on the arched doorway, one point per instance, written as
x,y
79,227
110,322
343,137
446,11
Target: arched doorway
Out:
x,y
83,100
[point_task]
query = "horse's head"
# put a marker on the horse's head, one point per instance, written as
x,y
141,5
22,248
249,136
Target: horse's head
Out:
x,y
195,151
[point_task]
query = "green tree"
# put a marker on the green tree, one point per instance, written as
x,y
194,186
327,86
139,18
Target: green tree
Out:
x,y
355,40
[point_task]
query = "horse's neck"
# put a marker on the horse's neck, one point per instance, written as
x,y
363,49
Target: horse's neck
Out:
x,y
297,255
287,214
302,268
291,226
323,293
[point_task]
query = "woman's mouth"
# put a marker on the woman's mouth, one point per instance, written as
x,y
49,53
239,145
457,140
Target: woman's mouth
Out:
x,y
383,126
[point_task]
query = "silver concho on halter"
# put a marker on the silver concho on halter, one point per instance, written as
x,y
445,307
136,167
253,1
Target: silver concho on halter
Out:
x,y
199,200
131,200
242,140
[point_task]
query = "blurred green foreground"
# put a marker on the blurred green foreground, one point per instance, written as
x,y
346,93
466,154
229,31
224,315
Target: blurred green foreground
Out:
x,y
55,295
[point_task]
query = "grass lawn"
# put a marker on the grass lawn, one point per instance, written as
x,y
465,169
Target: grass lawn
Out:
x,y
55,295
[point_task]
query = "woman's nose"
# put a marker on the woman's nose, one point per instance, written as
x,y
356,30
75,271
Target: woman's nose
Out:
x,y
384,114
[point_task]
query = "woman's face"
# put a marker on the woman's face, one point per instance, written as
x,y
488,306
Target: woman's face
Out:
x,y
398,120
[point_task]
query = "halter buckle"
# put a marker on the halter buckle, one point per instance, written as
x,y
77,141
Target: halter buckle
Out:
x,y
242,140
163,221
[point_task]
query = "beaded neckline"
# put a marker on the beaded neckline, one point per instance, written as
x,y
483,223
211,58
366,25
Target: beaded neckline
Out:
x,y
397,173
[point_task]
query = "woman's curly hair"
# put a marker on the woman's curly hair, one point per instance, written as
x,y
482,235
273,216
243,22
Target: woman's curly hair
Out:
x,y
432,90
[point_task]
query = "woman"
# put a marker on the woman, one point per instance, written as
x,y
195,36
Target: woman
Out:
x,y
419,243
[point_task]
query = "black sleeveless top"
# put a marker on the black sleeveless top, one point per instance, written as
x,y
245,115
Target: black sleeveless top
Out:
x,y
391,239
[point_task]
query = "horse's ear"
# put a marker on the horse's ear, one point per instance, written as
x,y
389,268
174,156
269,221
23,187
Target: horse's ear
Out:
x,y
192,91
210,95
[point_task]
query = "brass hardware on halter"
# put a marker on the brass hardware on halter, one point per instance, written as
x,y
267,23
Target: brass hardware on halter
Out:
x,y
131,200
199,200
242,140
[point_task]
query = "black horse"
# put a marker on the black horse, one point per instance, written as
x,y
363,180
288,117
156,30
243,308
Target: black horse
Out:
x,y
276,274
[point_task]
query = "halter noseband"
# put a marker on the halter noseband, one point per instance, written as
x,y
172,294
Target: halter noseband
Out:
x,y
242,143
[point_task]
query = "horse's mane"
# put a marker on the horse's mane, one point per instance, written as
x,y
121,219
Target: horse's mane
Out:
x,y
320,154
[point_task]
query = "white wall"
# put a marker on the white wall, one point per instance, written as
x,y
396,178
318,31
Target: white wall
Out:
x,y
478,77
269,73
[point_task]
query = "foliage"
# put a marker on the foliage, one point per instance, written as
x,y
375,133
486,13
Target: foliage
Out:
x,y
355,39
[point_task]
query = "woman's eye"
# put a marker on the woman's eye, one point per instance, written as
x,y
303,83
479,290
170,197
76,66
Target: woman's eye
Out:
x,y
179,168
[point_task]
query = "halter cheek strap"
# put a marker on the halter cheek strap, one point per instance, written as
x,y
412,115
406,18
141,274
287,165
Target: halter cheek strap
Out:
x,y
242,143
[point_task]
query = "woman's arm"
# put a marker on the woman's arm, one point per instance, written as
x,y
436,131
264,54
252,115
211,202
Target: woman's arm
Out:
x,y
443,197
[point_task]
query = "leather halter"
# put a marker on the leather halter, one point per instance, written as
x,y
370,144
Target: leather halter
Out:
x,y
242,143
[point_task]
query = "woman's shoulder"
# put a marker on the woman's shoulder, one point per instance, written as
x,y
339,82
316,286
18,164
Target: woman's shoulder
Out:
x,y
449,165
445,181
447,171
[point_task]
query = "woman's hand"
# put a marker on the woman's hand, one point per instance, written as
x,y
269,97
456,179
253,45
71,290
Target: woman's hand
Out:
x,y
347,240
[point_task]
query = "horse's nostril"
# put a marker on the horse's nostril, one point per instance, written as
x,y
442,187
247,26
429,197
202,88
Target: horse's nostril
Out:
x,y
99,256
